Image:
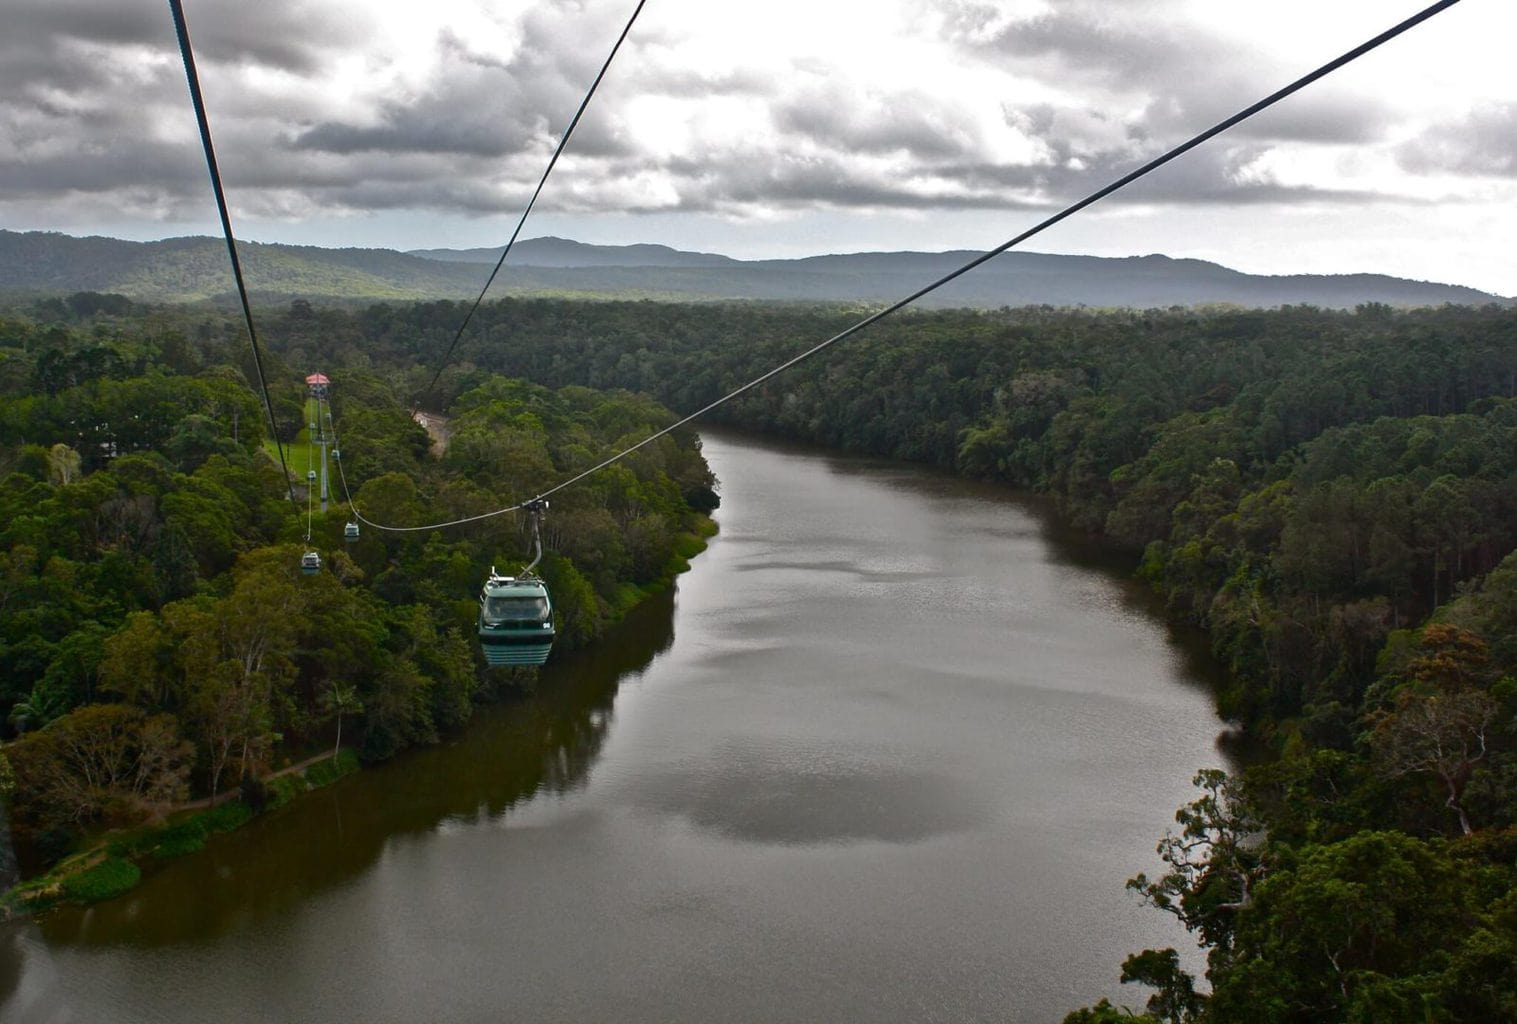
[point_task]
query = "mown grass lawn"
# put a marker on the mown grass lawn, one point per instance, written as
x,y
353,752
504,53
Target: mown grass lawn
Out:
x,y
300,454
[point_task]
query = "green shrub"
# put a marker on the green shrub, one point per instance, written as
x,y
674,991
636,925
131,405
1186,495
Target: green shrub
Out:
x,y
106,880
225,818
181,838
133,844
284,789
324,773
688,545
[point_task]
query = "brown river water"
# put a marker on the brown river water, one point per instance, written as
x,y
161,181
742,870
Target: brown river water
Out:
x,y
887,753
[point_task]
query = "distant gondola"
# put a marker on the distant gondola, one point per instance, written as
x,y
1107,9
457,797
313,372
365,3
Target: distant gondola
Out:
x,y
350,532
515,620
310,563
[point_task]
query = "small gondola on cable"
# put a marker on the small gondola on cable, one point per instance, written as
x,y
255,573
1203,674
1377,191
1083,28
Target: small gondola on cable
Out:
x,y
310,562
516,612
350,531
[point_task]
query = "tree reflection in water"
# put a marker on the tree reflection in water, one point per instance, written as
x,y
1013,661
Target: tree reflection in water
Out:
x,y
543,744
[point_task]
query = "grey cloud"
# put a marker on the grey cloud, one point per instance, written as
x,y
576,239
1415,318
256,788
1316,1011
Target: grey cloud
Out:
x,y
1204,177
683,83
1483,142
905,121
424,128
89,90
37,177
1192,79
743,178
482,105
295,35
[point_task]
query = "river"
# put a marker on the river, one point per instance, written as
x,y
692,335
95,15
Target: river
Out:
x,y
888,753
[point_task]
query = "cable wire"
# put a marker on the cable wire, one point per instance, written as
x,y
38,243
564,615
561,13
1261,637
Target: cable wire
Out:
x,y
310,478
562,143
187,52
1068,211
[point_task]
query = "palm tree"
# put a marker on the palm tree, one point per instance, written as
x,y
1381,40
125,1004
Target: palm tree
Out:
x,y
341,699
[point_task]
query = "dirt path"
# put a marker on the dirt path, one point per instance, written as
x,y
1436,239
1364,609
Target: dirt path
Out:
x,y
438,427
205,801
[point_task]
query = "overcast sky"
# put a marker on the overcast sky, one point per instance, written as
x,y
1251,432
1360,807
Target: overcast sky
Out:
x,y
778,128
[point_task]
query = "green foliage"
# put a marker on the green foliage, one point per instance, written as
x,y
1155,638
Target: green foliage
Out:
x,y
105,880
148,556
285,788
225,817
1105,1013
180,838
1175,999
1353,930
7,777
324,773
103,762
1314,488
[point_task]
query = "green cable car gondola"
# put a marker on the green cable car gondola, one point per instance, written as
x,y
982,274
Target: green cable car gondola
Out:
x,y
515,612
515,620
310,563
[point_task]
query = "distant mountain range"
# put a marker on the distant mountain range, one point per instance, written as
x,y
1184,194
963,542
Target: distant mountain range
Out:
x,y
195,270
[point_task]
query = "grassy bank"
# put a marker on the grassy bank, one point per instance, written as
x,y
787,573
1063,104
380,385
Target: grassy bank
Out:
x,y
112,864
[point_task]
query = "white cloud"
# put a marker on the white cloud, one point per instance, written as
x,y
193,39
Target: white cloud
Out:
x,y
885,116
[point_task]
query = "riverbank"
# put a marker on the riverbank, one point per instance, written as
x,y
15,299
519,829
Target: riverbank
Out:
x,y
885,752
113,864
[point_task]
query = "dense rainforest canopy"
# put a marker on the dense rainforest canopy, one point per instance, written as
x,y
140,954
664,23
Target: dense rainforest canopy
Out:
x,y
157,638
1332,495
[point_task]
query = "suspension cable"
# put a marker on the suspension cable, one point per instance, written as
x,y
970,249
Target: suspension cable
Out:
x,y
187,52
1068,211
562,143
310,477
535,509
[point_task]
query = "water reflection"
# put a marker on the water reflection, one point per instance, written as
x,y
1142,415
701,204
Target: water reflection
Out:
x,y
1030,516
897,767
806,796
546,744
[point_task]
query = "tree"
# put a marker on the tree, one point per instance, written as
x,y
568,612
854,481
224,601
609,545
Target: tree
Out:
x,y
236,656
1352,931
1443,734
138,662
43,705
1439,720
1214,861
63,464
103,761
1175,999
1105,1013
340,699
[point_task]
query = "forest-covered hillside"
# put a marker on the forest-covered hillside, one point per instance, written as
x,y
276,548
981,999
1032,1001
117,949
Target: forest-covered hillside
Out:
x,y
158,640
36,264
1332,495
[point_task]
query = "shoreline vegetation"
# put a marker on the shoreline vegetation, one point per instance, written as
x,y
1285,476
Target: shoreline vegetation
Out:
x,y
158,639
1330,495
111,864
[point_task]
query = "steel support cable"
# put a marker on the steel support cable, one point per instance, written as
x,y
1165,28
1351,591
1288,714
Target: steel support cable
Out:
x,y
188,54
562,143
1068,211
310,475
